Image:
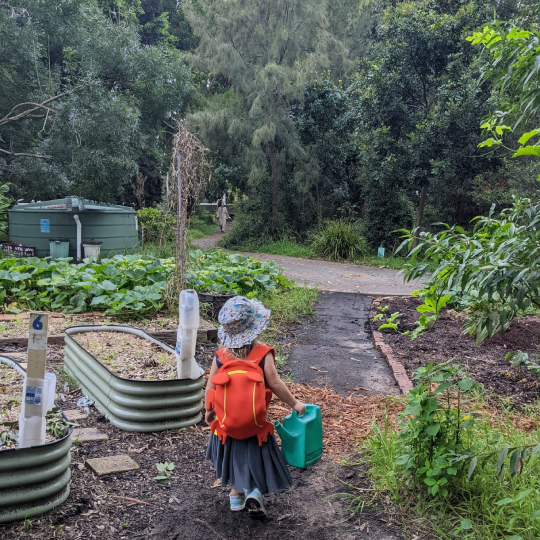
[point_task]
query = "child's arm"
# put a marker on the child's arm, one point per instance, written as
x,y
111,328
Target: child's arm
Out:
x,y
210,414
279,388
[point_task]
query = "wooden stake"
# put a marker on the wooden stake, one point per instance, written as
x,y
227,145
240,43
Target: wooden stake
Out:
x,y
37,345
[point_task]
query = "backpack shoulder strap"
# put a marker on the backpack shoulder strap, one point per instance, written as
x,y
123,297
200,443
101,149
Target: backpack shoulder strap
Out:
x,y
259,352
223,355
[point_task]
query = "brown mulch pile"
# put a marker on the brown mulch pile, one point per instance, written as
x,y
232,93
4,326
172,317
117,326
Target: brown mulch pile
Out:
x,y
346,419
486,363
129,356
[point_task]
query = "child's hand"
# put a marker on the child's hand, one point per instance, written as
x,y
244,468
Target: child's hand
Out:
x,y
210,416
300,408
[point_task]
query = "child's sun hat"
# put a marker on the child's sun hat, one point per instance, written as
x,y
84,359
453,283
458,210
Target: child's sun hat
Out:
x,y
242,320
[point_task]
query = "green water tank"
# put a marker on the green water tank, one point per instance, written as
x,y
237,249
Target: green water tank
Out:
x,y
34,224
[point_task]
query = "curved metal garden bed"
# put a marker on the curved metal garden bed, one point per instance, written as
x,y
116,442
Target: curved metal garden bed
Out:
x,y
33,480
129,404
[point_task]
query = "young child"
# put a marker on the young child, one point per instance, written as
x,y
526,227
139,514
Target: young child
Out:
x,y
252,467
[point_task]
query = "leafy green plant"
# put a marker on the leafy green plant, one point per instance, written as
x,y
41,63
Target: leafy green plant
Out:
x,y
8,433
5,205
491,271
339,240
165,472
57,426
391,321
511,65
435,434
519,358
219,271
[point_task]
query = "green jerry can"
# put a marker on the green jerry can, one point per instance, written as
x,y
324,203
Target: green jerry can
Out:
x,y
301,437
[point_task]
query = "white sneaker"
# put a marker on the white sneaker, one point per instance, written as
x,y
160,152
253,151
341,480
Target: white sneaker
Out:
x,y
254,504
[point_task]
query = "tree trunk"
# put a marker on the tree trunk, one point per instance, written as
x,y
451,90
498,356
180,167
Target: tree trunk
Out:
x,y
420,215
273,182
319,205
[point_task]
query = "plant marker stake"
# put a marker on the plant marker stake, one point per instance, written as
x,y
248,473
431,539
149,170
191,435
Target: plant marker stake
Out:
x,y
35,395
37,346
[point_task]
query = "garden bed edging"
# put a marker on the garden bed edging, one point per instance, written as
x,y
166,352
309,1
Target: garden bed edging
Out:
x,y
133,405
34,480
397,368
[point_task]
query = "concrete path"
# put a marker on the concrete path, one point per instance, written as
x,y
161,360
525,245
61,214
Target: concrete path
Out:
x,y
330,276
337,350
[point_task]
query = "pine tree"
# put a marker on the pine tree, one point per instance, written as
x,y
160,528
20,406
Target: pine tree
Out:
x,y
267,50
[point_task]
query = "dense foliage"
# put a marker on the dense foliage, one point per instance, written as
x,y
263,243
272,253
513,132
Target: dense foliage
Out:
x,y
95,100
511,63
233,273
462,474
125,284
491,271
5,205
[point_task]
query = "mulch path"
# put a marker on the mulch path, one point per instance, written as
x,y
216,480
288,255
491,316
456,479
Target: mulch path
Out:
x,y
486,363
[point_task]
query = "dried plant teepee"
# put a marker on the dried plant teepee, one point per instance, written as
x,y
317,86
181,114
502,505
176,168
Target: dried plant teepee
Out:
x,y
190,153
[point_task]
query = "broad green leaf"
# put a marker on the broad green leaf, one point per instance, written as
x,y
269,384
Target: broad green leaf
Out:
x,y
472,467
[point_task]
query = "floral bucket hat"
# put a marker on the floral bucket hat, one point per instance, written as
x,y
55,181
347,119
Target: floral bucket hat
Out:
x,y
242,320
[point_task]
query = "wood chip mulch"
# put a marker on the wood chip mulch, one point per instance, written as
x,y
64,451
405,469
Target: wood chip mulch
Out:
x,y
347,420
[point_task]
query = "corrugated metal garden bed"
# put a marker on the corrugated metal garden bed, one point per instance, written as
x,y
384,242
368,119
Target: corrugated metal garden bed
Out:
x,y
133,405
34,480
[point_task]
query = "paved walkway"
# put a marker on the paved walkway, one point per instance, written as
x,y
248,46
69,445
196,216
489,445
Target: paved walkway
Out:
x,y
337,351
334,277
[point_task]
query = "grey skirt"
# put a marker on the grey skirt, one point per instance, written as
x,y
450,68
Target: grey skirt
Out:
x,y
245,465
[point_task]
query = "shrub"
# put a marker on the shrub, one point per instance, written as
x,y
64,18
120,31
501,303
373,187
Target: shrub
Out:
x,y
339,240
491,272
5,205
158,226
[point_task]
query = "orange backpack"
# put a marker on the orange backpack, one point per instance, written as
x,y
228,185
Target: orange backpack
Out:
x,y
240,398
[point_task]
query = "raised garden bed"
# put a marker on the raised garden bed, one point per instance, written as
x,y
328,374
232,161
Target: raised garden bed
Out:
x,y
486,363
130,403
32,480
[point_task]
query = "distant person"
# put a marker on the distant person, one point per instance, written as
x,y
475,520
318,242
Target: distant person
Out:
x,y
222,215
242,446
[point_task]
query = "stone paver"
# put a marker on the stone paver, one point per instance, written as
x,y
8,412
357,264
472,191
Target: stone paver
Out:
x,y
111,464
88,435
73,415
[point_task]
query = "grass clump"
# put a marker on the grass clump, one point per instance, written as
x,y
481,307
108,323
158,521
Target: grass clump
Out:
x,y
288,306
339,240
459,471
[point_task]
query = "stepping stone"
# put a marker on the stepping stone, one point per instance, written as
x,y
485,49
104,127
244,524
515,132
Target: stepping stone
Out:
x,y
75,414
88,435
111,464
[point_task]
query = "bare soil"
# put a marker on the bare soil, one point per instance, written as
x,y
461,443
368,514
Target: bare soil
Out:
x,y
486,363
193,506
129,356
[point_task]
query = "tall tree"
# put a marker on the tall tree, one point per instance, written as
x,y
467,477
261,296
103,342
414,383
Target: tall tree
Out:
x,y
113,99
419,99
267,50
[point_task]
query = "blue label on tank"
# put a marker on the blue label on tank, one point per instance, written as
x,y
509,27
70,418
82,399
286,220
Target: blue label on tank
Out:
x,y
45,227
